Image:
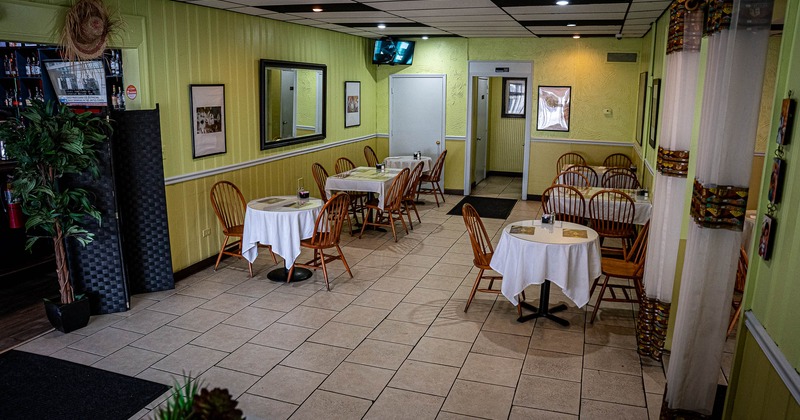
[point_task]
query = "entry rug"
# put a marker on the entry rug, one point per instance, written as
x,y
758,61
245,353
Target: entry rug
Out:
x,y
487,207
41,387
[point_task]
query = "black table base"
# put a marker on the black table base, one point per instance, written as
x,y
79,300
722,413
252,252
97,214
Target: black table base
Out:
x,y
280,274
544,310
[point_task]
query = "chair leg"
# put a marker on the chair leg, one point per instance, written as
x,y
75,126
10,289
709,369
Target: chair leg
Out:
x,y
289,275
599,299
250,268
474,289
435,197
274,259
364,223
324,269
221,251
403,221
439,188
591,292
407,211
391,223
736,314
414,205
344,261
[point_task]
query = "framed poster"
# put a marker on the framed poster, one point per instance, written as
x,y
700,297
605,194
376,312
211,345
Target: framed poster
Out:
x,y
553,108
514,93
352,104
207,104
655,99
640,107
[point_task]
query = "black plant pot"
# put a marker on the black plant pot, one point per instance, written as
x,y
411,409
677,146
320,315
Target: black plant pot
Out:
x,y
68,317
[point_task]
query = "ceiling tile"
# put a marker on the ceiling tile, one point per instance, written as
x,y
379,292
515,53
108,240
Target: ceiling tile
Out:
x,y
570,16
473,11
578,8
251,11
431,4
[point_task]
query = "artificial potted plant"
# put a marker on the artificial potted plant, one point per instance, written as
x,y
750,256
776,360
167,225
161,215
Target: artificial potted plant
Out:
x,y
48,142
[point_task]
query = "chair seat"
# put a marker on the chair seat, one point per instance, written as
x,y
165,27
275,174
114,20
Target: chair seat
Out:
x,y
618,268
237,230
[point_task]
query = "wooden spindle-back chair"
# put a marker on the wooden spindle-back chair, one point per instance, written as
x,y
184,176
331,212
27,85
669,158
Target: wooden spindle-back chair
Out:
x,y
410,193
392,206
618,160
566,202
570,158
433,178
372,158
611,213
573,179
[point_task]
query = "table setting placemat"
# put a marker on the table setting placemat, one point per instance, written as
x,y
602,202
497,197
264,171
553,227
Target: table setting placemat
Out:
x,y
575,233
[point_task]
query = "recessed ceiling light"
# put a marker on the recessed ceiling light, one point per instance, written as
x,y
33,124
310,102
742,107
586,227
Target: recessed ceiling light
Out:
x,y
576,36
425,37
562,2
381,26
572,24
316,9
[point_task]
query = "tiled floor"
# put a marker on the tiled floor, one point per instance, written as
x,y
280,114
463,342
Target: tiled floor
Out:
x,y
392,342
499,186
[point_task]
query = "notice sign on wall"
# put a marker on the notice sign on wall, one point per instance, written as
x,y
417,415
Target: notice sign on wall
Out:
x,y
131,92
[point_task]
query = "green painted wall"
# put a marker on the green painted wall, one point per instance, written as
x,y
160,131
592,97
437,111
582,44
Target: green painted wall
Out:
x,y
772,290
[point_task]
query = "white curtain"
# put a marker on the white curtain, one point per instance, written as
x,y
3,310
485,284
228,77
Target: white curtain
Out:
x,y
728,124
668,207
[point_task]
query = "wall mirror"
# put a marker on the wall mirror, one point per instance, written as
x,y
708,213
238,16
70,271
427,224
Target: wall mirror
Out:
x,y
292,102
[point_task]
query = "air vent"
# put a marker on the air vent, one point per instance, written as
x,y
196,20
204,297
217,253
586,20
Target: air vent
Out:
x,y
618,57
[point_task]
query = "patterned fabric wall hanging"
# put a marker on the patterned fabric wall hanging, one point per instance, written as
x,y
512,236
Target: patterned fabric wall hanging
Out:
x,y
718,16
685,25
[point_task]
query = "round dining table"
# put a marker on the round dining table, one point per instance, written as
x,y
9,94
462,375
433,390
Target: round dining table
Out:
x,y
281,222
529,252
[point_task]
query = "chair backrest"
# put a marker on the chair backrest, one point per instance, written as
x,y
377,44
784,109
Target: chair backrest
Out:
x,y
621,180
482,248
394,197
228,203
636,255
436,171
618,160
741,271
587,171
321,177
611,212
566,202
569,159
413,182
344,164
328,226
372,158
575,179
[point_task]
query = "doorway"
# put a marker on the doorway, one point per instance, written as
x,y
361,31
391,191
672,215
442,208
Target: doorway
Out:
x,y
482,130
473,150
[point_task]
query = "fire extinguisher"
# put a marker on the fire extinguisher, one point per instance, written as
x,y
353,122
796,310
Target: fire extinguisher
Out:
x,y
14,208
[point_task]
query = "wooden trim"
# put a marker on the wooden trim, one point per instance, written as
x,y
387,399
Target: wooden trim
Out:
x,y
503,173
535,197
790,377
579,141
454,192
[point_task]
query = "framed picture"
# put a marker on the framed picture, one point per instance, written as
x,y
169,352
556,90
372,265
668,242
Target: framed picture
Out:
x,y
553,108
514,93
655,99
767,237
776,181
785,121
352,104
640,107
207,103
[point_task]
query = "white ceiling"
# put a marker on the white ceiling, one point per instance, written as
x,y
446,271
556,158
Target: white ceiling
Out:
x,y
464,18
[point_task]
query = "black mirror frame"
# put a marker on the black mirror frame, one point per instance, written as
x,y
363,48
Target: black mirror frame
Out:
x,y
263,64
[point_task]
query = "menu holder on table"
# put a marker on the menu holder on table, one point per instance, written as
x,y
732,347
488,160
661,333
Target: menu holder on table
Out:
x,y
575,233
522,230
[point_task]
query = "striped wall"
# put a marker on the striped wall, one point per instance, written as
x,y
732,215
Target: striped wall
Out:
x,y
506,135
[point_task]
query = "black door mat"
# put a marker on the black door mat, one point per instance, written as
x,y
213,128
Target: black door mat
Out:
x,y
492,208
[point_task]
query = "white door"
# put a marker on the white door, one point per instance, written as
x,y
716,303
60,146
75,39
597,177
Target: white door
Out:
x,y
482,129
288,103
416,114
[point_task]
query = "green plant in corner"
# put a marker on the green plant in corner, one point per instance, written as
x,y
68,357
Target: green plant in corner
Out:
x,y
48,142
185,403
179,404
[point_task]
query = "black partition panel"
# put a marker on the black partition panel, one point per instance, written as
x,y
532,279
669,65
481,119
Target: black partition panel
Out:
x,y
142,200
97,268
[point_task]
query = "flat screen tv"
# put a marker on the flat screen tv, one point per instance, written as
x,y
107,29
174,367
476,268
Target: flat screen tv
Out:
x,y
78,83
393,51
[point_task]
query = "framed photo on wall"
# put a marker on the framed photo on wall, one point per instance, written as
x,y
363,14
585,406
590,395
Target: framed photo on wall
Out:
x,y
655,99
207,104
553,108
776,181
785,121
514,93
640,107
352,104
767,237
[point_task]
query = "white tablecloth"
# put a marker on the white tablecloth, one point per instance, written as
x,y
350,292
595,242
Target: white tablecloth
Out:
x,y
400,162
643,209
594,182
363,178
571,263
270,222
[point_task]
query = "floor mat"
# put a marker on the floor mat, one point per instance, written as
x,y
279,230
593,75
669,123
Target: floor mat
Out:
x,y
492,208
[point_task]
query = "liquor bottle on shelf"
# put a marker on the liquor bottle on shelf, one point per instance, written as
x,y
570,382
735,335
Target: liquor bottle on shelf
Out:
x,y
113,64
28,71
121,100
114,103
29,99
11,70
6,68
7,101
39,95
